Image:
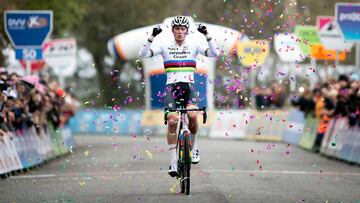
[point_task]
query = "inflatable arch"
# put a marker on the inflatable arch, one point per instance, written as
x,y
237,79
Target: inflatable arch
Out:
x,y
126,46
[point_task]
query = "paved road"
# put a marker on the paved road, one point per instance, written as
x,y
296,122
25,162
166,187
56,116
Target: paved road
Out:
x,y
124,169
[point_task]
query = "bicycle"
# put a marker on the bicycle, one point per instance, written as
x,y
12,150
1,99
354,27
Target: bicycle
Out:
x,y
183,146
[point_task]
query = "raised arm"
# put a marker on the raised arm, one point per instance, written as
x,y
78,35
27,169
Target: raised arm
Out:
x,y
212,50
147,51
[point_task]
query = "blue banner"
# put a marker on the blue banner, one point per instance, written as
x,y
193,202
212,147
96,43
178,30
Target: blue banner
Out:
x,y
348,18
107,122
28,28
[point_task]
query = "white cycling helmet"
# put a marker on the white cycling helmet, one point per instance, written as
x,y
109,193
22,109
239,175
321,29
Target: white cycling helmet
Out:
x,y
181,21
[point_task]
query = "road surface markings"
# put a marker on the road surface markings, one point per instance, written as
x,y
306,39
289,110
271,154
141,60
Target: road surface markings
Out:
x,y
76,176
33,176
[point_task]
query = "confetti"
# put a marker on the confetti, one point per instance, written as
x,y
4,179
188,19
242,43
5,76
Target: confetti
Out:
x,y
173,188
148,154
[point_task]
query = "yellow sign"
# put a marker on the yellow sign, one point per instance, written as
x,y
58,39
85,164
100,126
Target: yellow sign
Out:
x,y
253,52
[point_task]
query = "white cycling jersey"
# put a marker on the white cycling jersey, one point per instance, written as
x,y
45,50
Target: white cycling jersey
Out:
x,y
179,61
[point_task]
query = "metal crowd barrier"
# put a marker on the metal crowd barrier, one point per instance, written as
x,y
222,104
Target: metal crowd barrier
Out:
x,y
342,141
27,148
309,132
295,125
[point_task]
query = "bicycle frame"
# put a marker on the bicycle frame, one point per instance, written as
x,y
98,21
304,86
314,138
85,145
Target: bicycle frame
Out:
x,y
183,125
183,131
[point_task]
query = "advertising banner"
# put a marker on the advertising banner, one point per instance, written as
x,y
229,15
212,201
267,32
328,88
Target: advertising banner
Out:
x,y
287,47
330,34
60,55
348,18
28,29
318,51
308,37
253,52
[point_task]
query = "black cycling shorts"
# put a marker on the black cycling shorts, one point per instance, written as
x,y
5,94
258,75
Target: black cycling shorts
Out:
x,y
180,95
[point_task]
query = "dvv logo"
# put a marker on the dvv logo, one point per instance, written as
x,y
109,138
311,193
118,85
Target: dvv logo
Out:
x,y
37,22
33,22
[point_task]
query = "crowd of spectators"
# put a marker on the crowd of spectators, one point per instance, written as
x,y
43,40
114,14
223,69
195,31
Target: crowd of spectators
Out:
x,y
272,96
32,101
333,99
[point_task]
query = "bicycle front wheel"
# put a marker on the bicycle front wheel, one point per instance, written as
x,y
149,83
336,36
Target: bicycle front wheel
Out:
x,y
187,163
181,162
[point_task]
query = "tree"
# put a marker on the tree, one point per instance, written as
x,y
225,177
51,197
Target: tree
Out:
x,y
104,20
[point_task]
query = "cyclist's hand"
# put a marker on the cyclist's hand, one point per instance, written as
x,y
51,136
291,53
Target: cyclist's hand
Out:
x,y
202,29
156,30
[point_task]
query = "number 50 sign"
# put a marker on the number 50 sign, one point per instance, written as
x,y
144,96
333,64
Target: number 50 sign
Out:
x,y
29,54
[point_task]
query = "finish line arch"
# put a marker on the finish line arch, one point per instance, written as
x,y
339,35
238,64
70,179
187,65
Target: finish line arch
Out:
x,y
125,46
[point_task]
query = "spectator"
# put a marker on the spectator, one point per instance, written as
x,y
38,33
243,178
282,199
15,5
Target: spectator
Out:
x,y
278,95
305,102
325,107
354,104
267,97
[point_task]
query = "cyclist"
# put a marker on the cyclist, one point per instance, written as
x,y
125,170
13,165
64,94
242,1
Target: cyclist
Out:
x,y
180,63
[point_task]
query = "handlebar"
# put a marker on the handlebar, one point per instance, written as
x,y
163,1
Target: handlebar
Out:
x,y
183,111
